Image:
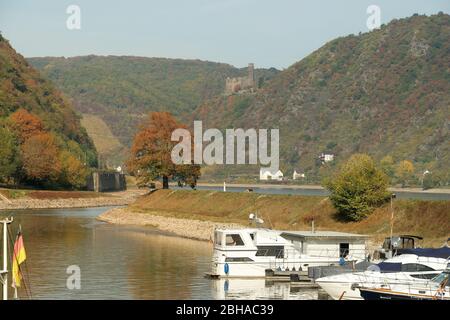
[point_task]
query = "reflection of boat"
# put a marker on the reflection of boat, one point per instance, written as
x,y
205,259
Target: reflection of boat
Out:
x,y
250,252
435,289
254,289
419,265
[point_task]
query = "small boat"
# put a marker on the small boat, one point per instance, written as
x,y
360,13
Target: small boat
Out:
x,y
435,289
419,265
249,252
395,245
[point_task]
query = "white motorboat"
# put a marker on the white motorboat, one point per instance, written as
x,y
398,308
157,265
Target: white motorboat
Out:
x,y
402,269
250,252
435,289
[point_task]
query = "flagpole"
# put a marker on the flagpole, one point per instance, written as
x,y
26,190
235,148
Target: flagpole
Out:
x,y
5,257
5,260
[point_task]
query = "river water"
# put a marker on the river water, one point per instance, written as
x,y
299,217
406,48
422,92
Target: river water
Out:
x,y
438,196
122,262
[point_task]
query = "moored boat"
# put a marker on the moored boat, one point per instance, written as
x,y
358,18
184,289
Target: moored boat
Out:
x,y
249,252
409,268
435,289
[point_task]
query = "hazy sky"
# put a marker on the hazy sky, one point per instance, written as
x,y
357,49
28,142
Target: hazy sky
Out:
x,y
269,33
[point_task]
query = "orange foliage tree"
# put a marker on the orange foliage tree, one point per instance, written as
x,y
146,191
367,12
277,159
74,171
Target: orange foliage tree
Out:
x,y
25,125
151,152
40,158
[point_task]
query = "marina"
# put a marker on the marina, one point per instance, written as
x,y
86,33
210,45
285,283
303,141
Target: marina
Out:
x,y
126,262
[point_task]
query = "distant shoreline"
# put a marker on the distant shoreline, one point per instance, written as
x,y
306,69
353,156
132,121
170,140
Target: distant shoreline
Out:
x,y
64,200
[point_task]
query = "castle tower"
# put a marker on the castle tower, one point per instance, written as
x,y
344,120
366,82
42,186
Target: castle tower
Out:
x,y
251,72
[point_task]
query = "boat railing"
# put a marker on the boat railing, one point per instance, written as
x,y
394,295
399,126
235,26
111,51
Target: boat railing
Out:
x,y
294,258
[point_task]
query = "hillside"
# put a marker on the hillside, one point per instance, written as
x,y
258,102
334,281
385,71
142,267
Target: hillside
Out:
x,y
109,148
30,102
385,92
289,212
121,90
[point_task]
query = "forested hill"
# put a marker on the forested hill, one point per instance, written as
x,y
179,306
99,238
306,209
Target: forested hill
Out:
x,y
385,92
121,90
35,118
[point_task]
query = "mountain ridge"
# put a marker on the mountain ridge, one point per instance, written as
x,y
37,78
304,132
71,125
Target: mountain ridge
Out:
x,y
384,92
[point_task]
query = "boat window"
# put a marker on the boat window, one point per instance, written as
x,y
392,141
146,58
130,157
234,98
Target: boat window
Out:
x,y
218,238
238,259
270,251
344,249
413,267
389,267
426,276
408,243
233,240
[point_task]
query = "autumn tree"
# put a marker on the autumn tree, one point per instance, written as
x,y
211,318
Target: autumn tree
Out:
x,y
9,159
73,171
151,152
404,172
40,158
357,188
25,125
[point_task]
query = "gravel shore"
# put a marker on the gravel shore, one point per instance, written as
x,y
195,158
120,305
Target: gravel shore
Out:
x,y
106,200
186,228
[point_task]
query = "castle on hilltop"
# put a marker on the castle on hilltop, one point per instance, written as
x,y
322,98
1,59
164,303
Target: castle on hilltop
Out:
x,y
241,84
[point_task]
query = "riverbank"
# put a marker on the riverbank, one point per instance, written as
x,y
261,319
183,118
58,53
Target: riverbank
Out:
x,y
186,228
40,199
193,214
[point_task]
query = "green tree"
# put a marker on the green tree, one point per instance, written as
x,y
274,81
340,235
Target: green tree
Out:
x,y
387,165
9,160
358,188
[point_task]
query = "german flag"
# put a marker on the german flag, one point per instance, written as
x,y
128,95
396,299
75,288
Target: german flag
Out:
x,y
19,257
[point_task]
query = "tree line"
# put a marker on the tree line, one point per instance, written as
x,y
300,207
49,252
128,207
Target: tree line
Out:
x,y
30,154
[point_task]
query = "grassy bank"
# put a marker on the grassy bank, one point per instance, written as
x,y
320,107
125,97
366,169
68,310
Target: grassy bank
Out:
x,y
430,219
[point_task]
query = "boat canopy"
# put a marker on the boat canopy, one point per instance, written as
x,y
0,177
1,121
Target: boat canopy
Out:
x,y
443,252
390,266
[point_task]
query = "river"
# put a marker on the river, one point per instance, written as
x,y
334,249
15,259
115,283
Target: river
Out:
x,y
412,195
121,262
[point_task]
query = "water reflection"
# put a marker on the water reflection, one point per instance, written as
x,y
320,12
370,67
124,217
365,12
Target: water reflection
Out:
x,y
255,289
119,262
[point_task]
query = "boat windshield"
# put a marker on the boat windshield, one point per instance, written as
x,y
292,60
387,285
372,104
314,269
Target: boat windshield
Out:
x,y
440,278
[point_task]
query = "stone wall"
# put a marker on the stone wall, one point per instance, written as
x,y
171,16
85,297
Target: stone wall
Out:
x,y
106,181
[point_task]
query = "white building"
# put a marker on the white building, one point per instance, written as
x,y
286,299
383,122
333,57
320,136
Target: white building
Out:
x,y
297,175
266,174
326,157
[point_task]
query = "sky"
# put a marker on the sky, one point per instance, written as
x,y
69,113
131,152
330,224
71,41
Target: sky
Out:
x,y
269,33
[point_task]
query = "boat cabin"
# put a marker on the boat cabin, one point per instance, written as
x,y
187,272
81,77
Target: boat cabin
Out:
x,y
274,243
394,245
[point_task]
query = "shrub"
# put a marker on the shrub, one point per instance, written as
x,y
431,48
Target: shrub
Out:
x,y
358,188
